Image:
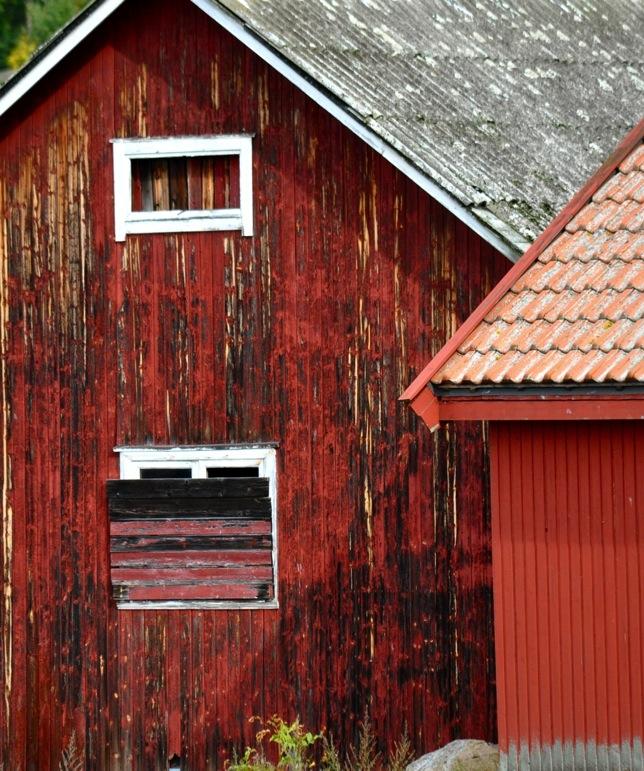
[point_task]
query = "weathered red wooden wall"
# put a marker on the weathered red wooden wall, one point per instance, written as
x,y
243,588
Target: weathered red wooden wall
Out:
x,y
305,334
568,546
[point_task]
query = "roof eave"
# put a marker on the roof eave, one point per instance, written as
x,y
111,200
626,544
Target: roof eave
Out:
x,y
543,402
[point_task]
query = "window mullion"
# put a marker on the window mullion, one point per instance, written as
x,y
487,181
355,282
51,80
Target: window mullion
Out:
x,y
199,469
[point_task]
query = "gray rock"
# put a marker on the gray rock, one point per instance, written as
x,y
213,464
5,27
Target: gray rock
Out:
x,y
461,755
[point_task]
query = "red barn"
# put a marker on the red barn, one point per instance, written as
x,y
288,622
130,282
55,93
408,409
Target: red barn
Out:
x,y
554,359
227,243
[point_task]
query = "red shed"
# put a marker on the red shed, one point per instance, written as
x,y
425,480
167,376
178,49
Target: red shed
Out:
x,y
217,231
554,359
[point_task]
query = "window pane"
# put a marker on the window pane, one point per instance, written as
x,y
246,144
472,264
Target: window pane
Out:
x,y
233,471
166,473
184,184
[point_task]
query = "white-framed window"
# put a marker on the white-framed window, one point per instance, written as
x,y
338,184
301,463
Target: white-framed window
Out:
x,y
194,527
183,184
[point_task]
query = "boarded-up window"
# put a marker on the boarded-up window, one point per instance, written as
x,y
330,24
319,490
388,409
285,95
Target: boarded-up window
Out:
x,y
205,540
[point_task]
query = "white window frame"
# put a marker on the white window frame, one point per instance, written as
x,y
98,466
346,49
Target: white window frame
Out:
x,y
127,221
200,459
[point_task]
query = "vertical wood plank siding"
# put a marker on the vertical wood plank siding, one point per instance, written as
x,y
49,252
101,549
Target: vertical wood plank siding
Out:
x,y
567,502
304,334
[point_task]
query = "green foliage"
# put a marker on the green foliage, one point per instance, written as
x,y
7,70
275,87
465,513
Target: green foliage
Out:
x,y
46,17
296,749
21,51
293,742
251,760
12,18
294,746
30,23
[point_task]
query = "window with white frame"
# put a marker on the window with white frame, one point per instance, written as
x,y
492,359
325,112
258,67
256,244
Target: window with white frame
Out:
x,y
194,527
183,184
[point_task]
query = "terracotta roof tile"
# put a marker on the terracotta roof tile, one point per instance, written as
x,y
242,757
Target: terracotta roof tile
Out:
x,y
462,367
585,246
634,161
629,216
637,373
577,313
623,187
594,217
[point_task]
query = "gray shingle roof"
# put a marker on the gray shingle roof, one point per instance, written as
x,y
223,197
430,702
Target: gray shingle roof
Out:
x,y
508,105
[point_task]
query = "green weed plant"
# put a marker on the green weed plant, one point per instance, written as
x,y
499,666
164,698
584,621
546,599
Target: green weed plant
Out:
x,y
298,748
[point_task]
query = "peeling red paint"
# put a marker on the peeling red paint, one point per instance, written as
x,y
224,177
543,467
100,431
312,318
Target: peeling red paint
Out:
x,y
303,334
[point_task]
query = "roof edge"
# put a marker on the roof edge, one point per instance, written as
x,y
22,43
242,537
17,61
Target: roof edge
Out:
x,y
49,55
554,229
433,409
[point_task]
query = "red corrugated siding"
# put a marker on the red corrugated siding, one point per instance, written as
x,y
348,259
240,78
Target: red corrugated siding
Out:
x,y
568,550
305,334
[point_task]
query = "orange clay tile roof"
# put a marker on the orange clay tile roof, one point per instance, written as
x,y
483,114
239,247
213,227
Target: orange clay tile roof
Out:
x,y
577,313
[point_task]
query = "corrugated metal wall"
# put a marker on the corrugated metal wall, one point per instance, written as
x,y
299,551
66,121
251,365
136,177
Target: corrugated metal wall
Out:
x,y
568,546
306,335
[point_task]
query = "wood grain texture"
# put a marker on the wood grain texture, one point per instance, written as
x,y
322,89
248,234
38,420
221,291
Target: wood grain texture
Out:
x,y
185,558
184,489
190,508
305,334
162,516
187,527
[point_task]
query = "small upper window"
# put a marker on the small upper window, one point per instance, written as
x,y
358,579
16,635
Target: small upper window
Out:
x,y
194,528
170,185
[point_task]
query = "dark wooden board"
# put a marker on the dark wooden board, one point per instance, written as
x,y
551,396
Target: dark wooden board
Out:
x,y
190,508
215,487
189,543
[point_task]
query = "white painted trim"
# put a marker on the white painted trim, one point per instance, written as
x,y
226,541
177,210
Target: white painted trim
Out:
x,y
127,221
197,605
133,459
246,184
193,146
69,40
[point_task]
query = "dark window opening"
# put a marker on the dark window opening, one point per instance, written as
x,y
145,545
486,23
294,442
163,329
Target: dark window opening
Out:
x,y
166,473
233,471
185,184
